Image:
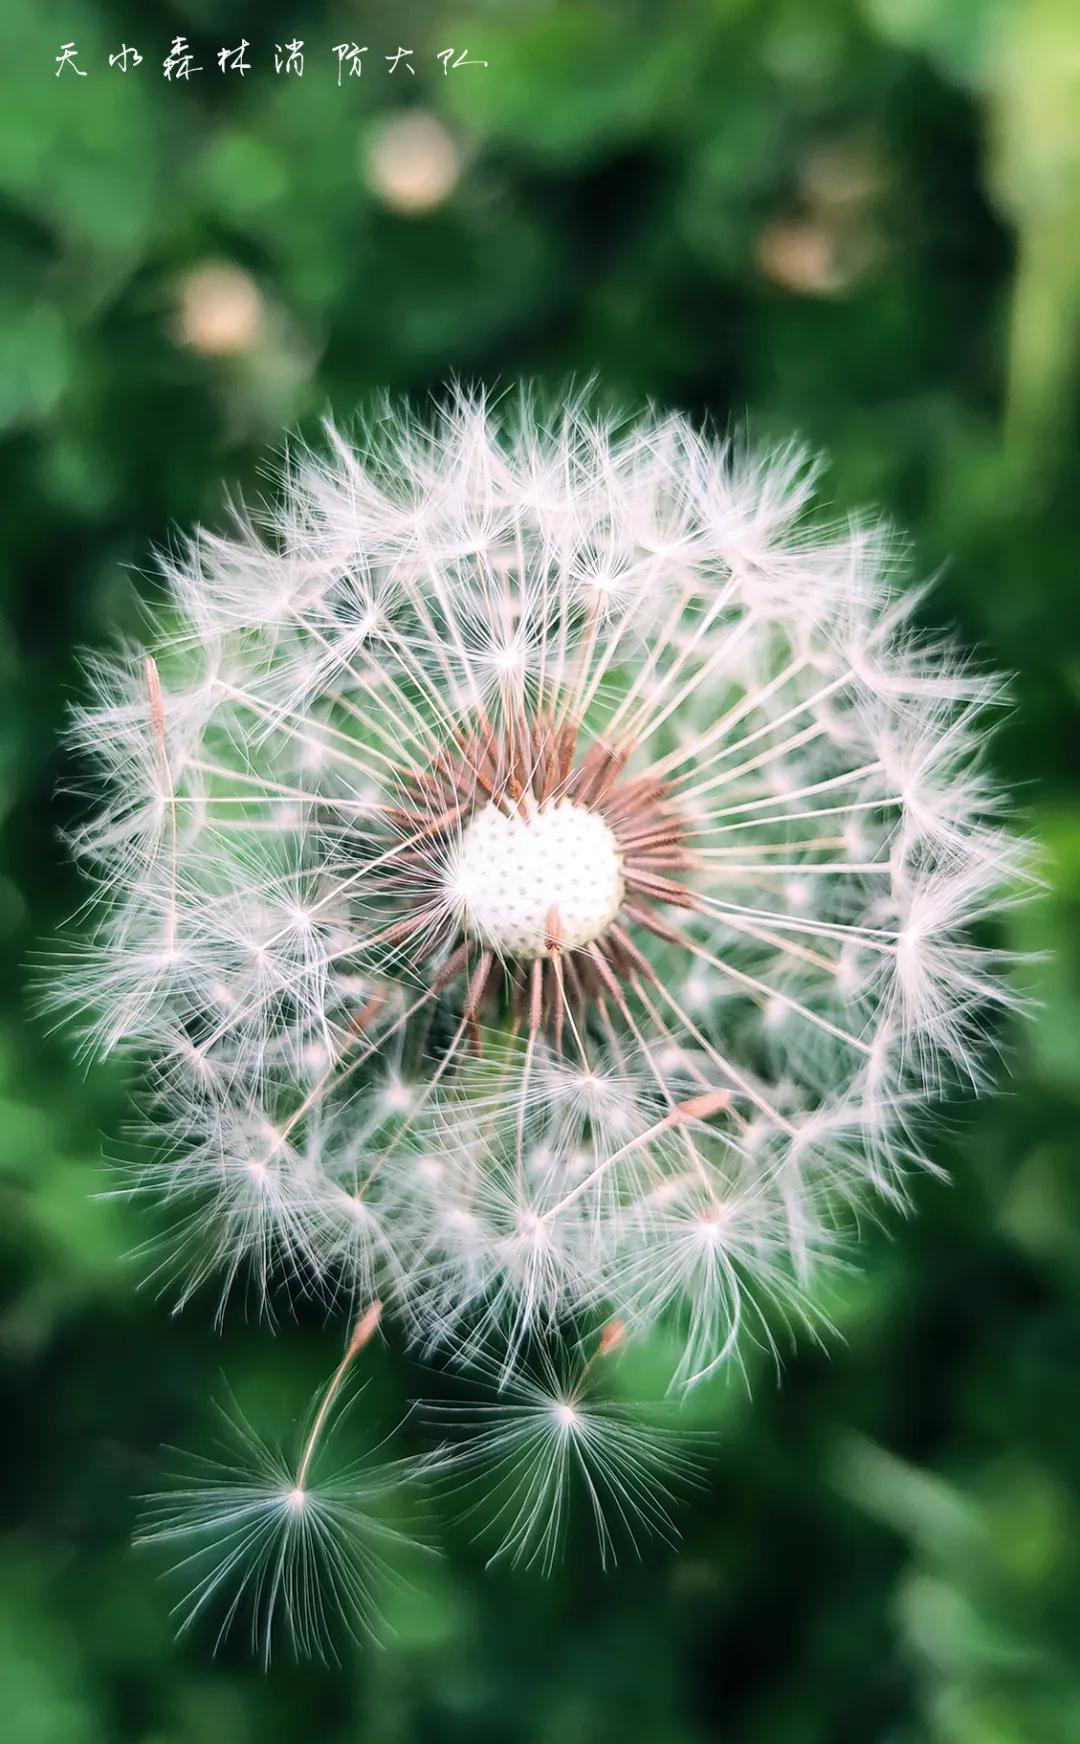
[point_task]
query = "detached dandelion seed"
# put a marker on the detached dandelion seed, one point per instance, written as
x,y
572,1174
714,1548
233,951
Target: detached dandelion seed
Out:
x,y
279,1546
539,864
550,1443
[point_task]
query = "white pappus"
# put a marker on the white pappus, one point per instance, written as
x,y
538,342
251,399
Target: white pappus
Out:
x,y
537,863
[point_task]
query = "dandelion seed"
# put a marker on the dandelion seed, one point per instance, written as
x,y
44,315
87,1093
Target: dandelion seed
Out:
x,y
285,1548
550,1446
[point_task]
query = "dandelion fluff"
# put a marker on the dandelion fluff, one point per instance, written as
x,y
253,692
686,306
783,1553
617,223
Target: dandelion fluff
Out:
x,y
537,862
299,1550
550,1446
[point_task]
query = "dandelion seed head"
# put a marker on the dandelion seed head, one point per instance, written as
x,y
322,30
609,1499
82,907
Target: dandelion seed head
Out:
x,y
540,865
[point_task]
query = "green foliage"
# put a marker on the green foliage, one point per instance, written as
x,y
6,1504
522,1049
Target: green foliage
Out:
x,y
853,219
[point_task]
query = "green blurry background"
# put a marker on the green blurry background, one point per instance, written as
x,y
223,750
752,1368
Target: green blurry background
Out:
x,y
858,220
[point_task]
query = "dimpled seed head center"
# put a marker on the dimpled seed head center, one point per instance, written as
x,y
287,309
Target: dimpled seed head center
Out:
x,y
511,871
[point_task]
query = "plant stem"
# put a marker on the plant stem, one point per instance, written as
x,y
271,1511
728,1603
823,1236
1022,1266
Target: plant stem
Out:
x,y
363,1332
